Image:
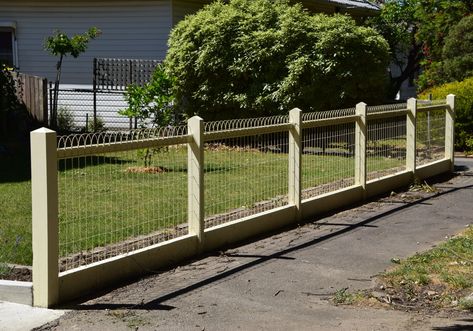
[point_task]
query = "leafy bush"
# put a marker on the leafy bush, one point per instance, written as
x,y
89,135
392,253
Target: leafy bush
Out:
x,y
458,50
261,57
15,121
151,102
464,108
99,125
65,120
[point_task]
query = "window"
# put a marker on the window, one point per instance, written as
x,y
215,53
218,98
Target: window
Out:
x,y
8,54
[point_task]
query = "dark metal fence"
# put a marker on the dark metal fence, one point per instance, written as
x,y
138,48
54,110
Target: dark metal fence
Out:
x,y
117,74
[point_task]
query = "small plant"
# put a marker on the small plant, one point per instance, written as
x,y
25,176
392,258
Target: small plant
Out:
x,y
98,126
152,102
343,297
466,304
65,119
469,145
60,44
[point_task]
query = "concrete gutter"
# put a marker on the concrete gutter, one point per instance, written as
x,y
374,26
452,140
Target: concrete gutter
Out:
x,y
16,292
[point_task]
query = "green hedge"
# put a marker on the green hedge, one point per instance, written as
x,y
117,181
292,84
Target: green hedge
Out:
x,y
249,58
464,108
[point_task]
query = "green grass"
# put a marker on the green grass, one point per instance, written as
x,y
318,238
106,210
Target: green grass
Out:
x,y
448,266
98,196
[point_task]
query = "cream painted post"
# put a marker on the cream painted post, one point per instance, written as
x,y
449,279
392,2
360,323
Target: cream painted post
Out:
x,y
295,156
450,130
195,175
45,217
411,128
360,145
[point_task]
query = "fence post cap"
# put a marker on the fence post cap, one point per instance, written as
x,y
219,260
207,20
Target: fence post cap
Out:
x,y
361,104
195,118
43,130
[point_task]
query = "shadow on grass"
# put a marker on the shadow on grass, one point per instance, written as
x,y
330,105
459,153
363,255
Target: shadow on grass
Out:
x,y
14,163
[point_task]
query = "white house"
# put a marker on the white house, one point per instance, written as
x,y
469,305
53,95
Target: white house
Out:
x,y
130,29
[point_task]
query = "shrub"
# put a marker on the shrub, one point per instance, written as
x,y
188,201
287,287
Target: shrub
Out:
x,y
464,108
65,120
151,102
253,58
458,50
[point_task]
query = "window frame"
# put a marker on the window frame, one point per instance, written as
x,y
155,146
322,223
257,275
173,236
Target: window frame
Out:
x,y
11,27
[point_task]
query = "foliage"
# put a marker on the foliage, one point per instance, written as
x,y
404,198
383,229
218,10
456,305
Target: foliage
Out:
x,y
416,31
153,101
463,108
8,98
260,57
15,121
98,126
458,50
61,45
65,120
396,24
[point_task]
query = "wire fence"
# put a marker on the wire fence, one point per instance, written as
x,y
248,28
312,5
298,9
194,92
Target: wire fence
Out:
x,y
386,147
244,176
76,106
115,203
430,142
125,190
327,159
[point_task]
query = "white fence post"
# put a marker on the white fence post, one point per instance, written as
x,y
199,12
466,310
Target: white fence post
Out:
x,y
295,157
196,178
411,137
450,130
45,217
360,146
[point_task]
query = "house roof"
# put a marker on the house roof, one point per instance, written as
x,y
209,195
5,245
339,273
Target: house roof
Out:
x,y
353,5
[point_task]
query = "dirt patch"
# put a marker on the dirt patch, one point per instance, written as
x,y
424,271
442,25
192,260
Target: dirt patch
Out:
x,y
19,273
146,170
433,299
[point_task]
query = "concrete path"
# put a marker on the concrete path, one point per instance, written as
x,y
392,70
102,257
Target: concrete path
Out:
x,y
283,282
16,317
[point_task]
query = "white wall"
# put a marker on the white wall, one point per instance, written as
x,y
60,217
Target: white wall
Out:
x,y
130,29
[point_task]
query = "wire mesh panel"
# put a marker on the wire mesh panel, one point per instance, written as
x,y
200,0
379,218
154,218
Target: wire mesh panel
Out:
x,y
245,176
430,144
114,203
327,159
386,147
78,106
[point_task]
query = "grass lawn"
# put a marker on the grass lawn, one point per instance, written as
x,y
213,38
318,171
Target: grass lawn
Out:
x,y
445,273
103,201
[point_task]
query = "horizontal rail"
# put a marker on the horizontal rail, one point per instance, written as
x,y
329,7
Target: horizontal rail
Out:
x,y
432,108
329,121
387,114
68,152
234,133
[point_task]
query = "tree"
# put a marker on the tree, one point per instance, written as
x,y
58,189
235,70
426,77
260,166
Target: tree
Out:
x,y
416,31
251,58
62,45
153,101
458,51
397,24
